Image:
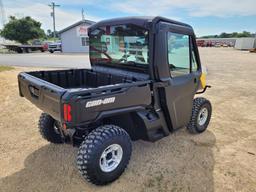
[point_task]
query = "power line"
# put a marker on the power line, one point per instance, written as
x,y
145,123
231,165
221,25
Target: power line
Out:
x,y
53,5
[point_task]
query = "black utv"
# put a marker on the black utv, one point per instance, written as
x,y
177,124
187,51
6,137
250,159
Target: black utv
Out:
x,y
144,76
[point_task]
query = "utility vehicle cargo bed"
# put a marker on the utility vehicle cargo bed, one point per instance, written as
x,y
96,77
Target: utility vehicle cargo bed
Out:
x,y
49,89
85,78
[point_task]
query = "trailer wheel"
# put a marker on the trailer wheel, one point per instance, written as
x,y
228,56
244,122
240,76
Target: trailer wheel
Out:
x,y
28,50
49,129
19,50
104,154
201,115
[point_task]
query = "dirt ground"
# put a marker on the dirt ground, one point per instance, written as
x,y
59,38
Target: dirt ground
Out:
x,y
221,159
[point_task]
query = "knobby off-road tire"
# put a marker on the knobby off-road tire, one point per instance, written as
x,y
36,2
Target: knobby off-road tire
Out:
x,y
95,149
201,115
48,129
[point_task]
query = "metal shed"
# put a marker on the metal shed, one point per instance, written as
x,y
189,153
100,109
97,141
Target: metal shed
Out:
x,y
245,43
74,38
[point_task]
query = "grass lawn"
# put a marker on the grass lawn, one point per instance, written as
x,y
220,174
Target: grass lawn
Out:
x,y
5,68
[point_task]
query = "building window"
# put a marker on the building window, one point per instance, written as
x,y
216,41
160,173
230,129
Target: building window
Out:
x,y
193,60
178,54
85,41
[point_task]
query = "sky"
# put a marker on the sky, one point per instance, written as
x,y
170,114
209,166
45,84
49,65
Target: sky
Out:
x,y
208,17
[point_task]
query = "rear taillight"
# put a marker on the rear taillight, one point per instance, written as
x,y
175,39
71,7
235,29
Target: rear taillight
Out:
x,y
67,112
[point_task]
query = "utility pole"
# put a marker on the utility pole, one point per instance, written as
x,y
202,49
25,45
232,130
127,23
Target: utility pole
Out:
x,y
83,14
2,13
3,16
53,5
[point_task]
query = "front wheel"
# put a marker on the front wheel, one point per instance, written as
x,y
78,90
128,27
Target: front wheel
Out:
x,y
201,115
104,154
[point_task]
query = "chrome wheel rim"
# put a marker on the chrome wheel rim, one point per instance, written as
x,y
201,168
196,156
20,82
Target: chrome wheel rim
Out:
x,y
111,158
202,116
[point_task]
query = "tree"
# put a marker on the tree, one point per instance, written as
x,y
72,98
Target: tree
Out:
x,y
22,30
49,33
224,35
245,34
231,35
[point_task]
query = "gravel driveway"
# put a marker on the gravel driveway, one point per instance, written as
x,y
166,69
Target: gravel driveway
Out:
x,y
54,60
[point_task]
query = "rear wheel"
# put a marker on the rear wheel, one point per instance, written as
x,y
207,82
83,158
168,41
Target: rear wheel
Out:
x,y
49,129
104,154
201,115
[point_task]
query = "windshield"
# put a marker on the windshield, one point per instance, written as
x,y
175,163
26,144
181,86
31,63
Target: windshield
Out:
x,y
119,45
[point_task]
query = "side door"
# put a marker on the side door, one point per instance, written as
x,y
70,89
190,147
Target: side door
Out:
x,y
182,77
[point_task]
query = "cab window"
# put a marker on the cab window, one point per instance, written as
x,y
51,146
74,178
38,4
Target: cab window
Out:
x,y
194,64
178,54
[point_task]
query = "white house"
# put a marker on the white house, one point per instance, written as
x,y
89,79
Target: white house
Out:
x,y
74,38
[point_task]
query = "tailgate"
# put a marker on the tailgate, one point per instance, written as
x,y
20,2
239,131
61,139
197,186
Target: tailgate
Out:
x,y
43,94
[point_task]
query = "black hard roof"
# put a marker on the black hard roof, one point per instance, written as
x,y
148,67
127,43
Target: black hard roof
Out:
x,y
138,20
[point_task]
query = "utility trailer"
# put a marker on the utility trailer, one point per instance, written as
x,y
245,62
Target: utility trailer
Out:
x,y
25,48
145,74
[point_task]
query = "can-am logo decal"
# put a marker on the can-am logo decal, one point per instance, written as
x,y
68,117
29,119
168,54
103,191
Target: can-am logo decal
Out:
x,y
100,102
